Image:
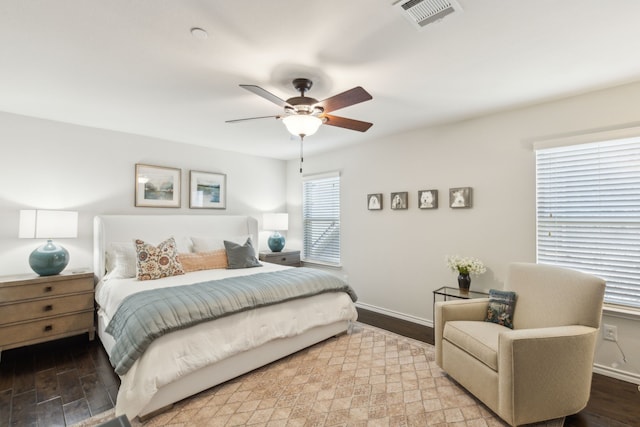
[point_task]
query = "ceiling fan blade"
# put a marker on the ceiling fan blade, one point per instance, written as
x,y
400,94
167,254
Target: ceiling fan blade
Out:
x,y
343,122
265,94
345,99
252,118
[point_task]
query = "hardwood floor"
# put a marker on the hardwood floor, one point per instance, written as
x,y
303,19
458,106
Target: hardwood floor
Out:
x,y
56,384
66,381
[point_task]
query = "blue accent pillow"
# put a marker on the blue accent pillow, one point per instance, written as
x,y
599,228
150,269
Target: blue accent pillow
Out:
x,y
501,306
241,256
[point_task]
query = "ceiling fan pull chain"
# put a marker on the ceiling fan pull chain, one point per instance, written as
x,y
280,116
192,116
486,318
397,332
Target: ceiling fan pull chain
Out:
x,y
301,148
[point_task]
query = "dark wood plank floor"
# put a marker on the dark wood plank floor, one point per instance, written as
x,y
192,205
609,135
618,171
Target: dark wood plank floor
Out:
x,y
56,384
66,381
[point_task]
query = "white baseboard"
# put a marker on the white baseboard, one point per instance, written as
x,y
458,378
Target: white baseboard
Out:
x,y
396,314
608,371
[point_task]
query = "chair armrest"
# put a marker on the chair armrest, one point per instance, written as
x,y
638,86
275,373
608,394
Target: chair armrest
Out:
x,y
446,311
547,368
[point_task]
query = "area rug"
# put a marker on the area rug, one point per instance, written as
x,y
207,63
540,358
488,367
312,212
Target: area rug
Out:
x,y
368,377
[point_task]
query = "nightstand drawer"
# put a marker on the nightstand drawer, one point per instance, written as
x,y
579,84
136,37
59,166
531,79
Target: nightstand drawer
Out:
x,y
45,289
291,258
43,329
47,307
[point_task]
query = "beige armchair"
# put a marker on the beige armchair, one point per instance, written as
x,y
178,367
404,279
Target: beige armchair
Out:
x,y
539,370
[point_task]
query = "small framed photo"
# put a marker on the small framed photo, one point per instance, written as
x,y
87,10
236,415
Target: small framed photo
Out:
x,y
399,200
157,186
428,199
374,202
460,197
207,190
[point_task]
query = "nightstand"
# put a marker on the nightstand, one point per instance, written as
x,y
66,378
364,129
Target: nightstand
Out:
x,y
35,308
290,258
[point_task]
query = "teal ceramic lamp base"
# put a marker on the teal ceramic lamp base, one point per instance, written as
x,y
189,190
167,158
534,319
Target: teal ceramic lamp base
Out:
x,y
276,242
49,259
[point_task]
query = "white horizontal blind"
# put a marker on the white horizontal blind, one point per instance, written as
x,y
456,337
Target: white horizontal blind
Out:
x,y
321,219
588,213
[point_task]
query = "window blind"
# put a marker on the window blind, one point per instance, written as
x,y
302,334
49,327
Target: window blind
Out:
x,y
321,218
588,213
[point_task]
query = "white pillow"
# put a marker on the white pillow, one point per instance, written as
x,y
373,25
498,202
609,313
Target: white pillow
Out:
x,y
121,260
206,244
183,243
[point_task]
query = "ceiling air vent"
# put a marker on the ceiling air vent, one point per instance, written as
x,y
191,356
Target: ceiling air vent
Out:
x,y
424,12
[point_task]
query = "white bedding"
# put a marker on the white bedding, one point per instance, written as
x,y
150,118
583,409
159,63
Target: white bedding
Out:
x,y
110,293
182,352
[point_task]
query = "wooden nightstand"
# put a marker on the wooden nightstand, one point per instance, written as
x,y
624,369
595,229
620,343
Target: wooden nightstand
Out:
x,y
290,258
35,308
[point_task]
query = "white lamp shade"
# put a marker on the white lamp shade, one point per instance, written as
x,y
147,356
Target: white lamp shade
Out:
x,y
302,124
275,221
45,224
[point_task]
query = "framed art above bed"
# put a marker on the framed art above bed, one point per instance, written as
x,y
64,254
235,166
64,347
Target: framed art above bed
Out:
x,y
157,186
207,190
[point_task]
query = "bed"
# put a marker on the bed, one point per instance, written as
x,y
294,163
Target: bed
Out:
x,y
189,360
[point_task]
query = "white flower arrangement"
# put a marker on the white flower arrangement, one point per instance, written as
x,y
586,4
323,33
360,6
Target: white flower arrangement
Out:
x,y
466,265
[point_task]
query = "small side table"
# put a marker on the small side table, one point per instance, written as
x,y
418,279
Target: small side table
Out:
x,y
449,292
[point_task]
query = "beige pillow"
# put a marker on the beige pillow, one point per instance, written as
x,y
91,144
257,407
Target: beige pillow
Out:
x,y
156,262
210,260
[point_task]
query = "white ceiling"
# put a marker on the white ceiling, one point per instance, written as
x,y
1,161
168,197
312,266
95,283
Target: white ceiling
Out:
x,y
133,65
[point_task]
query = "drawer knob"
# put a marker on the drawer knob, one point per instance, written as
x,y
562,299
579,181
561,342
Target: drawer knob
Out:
x,y
48,328
48,307
283,259
48,288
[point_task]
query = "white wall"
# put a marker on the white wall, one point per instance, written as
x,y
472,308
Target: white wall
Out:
x,y
51,165
395,259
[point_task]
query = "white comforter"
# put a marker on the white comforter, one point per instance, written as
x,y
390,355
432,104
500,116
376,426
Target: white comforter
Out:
x,y
183,352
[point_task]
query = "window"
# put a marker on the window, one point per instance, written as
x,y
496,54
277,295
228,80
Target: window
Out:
x,y
588,213
321,218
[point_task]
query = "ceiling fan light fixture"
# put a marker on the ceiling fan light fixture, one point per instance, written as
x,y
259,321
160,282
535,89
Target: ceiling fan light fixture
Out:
x,y
302,124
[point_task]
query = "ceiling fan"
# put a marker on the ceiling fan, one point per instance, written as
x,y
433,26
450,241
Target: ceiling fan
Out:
x,y
303,115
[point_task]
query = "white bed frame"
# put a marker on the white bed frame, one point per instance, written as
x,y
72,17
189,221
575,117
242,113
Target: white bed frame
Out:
x,y
154,228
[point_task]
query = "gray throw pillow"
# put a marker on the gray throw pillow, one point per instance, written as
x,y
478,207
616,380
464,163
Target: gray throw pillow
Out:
x,y
241,256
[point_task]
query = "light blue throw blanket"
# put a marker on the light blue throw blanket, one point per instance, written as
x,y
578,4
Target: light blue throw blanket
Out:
x,y
147,315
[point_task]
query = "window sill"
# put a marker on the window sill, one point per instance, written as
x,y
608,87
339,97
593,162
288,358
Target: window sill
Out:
x,y
621,311
322,264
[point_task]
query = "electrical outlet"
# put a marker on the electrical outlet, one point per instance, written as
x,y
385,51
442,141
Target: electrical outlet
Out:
x,y
610,332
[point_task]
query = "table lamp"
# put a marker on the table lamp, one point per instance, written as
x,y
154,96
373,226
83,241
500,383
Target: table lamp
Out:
x,y
49,259
275,222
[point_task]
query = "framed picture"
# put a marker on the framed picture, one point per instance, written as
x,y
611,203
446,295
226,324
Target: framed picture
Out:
x,y
157,186
374,201
207,190
460,197
428,199
399,200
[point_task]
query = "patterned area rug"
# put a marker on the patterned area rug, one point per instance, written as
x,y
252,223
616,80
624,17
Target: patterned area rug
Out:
x,y
369,377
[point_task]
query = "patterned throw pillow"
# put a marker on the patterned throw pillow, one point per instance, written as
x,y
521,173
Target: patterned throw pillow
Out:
x,y
501,306
156,262
194,261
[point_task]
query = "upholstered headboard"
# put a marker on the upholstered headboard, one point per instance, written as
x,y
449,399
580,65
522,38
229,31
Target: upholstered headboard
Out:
x,y
155,228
